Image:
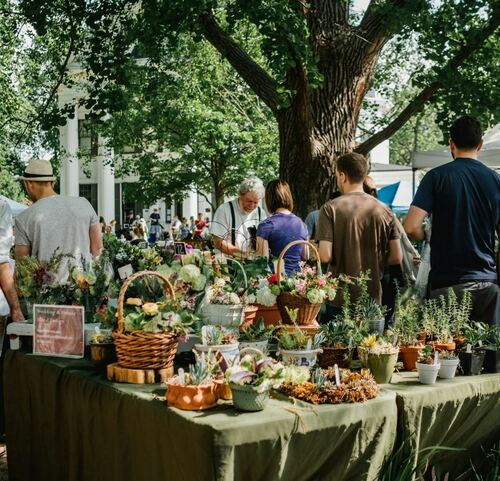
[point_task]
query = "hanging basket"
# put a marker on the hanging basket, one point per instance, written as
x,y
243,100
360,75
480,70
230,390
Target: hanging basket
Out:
x,y
307,311
140,349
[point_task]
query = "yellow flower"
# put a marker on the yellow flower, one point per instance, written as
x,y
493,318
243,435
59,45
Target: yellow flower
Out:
x,y
134,301
150,308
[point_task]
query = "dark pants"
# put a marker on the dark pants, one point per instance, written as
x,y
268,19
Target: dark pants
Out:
x,y
329,314
485,300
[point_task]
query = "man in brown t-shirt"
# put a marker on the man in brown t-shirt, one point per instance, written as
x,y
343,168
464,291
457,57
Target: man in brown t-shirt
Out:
x,y
356,232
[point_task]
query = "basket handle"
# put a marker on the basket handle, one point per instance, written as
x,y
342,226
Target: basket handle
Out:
x,y
168,288
252,351
288,246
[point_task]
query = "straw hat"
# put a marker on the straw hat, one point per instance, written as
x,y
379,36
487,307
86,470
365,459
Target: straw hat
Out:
x,y
39,171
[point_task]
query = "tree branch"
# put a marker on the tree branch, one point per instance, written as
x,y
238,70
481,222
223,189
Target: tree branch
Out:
x,y
253,74
416,105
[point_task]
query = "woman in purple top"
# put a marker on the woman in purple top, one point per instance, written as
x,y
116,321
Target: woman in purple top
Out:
x,y
281,228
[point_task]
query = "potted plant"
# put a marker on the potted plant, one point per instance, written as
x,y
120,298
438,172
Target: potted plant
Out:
x,y
223,305
102,348
472,357
193,391
492,350
380,357
255,336
262,294
219,339
449,362
407,326
305,290
427,366
298,348
338,344
252,378
438,322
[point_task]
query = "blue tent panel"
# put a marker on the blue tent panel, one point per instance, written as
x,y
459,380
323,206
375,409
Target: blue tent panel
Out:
x,y
388,193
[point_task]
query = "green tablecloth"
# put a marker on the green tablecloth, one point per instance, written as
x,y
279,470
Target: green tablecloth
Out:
x,y
65,422
463,412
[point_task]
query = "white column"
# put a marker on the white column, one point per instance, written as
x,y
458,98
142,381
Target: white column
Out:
x,y
190,205
71,163
106,185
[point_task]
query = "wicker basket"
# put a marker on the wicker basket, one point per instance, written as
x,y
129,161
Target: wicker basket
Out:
x,y
307,311
140,349
247,398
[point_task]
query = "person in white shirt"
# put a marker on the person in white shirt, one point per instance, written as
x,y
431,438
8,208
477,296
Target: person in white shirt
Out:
x,y
9,302
234,226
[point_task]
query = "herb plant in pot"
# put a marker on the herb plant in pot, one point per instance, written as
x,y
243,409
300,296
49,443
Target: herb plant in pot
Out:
x,y
252,378
298,348
438,323
193,391
408,327
255,336
492,350
338,344
472,357
427,366
219,339
449,362
381,358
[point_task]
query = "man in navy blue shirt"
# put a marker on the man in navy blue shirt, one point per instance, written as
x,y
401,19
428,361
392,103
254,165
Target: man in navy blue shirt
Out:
x,y
463,198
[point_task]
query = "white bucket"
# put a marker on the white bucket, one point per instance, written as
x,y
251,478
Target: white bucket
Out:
x,y
300,357
227,315
448,368
427,373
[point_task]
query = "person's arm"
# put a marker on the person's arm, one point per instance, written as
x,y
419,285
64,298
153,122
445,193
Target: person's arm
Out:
x,y
498,255
414,223
262,248
95,235
225,246
395,255
9,289
22,251
325,251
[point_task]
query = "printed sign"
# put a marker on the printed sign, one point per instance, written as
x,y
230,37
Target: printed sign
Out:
x,y
125,271
180,248
58,330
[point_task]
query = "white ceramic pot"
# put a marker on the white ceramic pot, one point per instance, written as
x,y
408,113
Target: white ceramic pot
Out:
x,y
448,368
427,373
228,315
300,357
230,352
260,345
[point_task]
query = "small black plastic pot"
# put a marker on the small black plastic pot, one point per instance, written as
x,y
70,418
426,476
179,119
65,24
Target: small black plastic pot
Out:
x,y
492,361
471,363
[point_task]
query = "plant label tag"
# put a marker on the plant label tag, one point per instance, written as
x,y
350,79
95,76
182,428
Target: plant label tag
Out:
x,y
469,348
125,271
436,357
337,375
182,378
480,343
309,344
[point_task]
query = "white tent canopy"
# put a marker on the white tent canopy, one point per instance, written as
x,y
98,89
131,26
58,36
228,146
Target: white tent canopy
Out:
x,y
489,155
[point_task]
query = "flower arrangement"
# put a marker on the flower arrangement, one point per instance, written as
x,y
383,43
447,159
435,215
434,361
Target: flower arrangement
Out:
x,y
263,374
323,388
221,292
263,291
162,316
308,284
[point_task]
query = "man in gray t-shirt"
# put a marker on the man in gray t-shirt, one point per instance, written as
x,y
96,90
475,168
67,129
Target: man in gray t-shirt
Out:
x,y
66,224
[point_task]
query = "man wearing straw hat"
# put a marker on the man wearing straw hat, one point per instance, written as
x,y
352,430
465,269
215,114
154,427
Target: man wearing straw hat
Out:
x,y
68,225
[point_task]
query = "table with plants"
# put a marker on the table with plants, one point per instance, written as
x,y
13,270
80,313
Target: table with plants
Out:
x,y
267,393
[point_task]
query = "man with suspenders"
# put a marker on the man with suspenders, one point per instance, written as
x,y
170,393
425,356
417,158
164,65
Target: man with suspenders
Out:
x,y
235,222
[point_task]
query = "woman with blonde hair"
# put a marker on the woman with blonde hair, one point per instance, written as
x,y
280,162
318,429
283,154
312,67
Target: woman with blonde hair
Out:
x,y
282,227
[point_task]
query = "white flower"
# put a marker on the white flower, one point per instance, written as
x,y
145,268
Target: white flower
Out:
x,y
234,298
265,297
220,282
250,298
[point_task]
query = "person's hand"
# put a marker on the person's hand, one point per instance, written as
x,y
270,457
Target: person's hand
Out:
x,y
17,315
416,261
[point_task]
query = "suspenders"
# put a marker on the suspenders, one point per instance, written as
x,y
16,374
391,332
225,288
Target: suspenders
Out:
x,y
233,221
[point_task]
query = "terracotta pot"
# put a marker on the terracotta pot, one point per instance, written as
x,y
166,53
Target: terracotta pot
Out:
x,y
443,346
409,355
459,341
330,356
250,316
192,398
270,314
223,390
